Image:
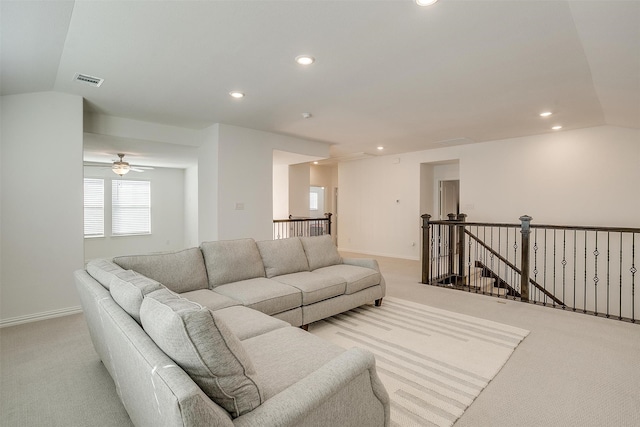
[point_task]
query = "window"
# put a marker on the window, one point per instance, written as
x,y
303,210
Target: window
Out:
x,y
130,207
313,201
93,207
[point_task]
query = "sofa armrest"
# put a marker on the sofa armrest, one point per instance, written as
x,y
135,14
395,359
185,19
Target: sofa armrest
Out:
x,y
368,263
344,391
362,262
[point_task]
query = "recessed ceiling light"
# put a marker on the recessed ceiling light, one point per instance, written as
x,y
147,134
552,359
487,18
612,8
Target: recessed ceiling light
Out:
x,y
425,2
315,163
305,59
546,114
380,147
557,127
236,94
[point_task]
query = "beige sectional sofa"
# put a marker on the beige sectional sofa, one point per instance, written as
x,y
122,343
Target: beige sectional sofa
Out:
x,y
205,336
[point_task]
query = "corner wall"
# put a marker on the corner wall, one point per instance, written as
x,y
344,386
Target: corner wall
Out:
x,y
42,199
245,179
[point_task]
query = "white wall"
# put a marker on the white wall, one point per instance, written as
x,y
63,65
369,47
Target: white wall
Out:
x,y
208,185
245,177
42,197
582,177
323,176
280,191
167,215
299,182
191,207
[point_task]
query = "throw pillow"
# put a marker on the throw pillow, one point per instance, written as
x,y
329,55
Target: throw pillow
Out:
x,y
232,261
320,251
204,346
283,256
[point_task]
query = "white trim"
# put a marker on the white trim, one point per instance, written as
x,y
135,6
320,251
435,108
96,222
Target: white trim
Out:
x,y
412,258
39,316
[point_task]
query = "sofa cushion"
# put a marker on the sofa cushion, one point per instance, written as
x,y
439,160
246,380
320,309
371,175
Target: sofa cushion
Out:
x,y
129,290
320,251
358,278
210,299
283,256
201,344
231,261
104,271
314,287
180,271
265,295
285,356
246,322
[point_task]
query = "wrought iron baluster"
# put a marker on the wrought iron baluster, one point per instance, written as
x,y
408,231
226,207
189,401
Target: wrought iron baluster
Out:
x,y
620,306
564,267
554,266
544,269
595,278
584,306
608,269
633,271
535,264
575,266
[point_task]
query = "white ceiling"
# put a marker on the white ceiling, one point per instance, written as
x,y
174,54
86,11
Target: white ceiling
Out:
x,y
386,73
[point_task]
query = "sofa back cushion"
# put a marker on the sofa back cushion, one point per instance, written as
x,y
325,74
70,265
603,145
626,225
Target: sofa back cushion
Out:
x,y
129,289
232,261
201,344
104,271
320,251
181,271
283,256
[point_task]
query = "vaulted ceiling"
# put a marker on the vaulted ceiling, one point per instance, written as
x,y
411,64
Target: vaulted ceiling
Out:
x,y
387,73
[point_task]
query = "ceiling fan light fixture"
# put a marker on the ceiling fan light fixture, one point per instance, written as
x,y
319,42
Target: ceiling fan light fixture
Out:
x,y
121,167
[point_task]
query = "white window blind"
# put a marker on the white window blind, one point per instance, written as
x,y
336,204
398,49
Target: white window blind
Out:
x,y
313,201
130,207
93,207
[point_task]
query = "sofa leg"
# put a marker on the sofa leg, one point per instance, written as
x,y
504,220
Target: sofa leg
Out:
x,y
378,302
304,327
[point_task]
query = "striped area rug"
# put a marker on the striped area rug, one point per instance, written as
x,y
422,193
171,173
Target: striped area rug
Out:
x,y
433,362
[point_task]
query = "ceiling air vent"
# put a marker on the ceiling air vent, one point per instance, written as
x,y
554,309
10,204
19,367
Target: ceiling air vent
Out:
x,y
90,80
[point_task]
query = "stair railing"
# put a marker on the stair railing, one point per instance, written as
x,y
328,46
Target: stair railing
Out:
x,y
301,226
586,269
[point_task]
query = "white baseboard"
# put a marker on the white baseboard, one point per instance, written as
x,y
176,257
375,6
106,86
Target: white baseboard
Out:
x,y
12,321
357,251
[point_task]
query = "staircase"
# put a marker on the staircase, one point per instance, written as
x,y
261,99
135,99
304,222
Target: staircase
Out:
x,y
483,284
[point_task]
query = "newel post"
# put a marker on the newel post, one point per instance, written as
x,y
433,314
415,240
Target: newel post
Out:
x,y
462,218
525,229
426,256
328,215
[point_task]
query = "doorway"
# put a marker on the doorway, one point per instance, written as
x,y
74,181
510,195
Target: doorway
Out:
x,y
449,199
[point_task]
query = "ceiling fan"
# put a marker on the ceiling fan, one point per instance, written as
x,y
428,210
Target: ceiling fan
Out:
x,y
120,167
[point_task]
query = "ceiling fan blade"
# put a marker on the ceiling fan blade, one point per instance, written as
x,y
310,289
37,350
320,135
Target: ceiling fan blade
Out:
x,y
143,167
135,169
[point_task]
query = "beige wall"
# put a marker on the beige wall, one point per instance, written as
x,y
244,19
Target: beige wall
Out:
x,y
42,205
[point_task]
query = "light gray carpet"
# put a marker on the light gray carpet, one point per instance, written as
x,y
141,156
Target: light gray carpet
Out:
x,y
433,362
51,376
571,370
